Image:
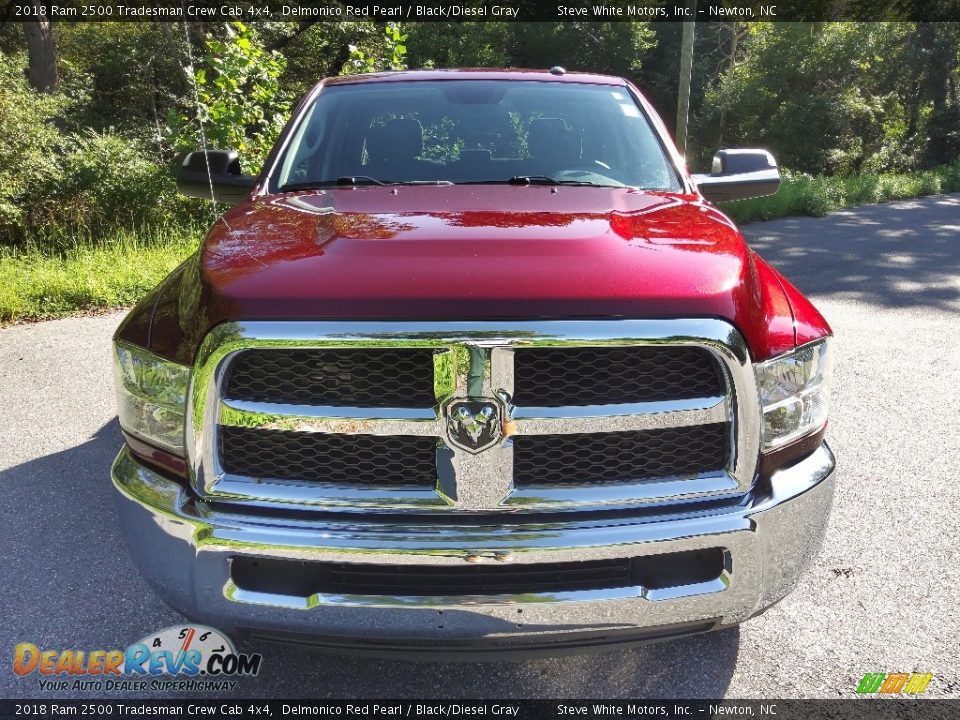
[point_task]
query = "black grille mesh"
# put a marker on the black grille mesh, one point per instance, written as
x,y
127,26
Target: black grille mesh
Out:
x,y
359,460
378,377
554,377
304,578
620,456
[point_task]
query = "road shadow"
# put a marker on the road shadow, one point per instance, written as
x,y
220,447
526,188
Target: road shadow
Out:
x,y
896,255
73,585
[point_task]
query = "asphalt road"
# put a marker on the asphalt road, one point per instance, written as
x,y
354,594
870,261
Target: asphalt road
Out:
x,y
884,595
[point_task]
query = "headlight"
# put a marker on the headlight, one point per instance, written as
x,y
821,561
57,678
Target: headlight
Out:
x,y
794,394
151,396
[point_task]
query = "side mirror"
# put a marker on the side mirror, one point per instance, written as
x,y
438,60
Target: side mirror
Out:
x,y
220,168
738,175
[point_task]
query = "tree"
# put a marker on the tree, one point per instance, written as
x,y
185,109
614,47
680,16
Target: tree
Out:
x,y
42,69
935,48
314,51
389,54
128,74
824,98
616,48
237,100
28,144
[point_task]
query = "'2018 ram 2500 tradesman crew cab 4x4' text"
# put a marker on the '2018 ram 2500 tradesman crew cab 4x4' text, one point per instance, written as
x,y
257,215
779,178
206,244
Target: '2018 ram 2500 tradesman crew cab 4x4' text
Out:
x,y
474,365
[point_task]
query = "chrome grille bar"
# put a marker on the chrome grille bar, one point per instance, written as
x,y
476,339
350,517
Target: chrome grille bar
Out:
x,y
472,360
526,421
618,418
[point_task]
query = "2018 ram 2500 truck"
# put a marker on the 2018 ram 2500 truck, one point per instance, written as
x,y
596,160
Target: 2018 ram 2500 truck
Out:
x,y
474,365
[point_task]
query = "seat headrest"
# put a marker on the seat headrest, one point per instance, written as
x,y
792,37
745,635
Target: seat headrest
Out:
x,y
397,140
547,137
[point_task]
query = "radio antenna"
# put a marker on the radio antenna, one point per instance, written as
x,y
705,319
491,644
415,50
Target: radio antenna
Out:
x,y
199,110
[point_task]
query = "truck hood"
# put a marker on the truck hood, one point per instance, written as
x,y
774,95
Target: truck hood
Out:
x,y
479,252
475,252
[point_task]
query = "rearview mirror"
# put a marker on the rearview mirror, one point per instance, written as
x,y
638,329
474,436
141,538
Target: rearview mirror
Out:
x,y
739,175
219,169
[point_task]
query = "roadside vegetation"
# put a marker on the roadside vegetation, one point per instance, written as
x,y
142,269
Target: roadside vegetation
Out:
x,y
93,118
52,278
816,196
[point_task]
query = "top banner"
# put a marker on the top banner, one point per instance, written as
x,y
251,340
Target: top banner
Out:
x,y
482,10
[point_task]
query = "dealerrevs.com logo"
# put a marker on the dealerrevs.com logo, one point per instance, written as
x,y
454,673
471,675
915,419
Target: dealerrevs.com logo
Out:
x,y
190,658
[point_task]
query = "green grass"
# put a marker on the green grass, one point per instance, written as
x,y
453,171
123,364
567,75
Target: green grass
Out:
x,y
48,278
51,277
817,196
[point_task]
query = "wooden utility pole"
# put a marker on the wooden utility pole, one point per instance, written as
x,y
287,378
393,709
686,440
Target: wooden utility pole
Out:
x,y
686,71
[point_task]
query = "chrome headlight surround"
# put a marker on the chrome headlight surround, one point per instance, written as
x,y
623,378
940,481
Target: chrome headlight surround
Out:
x,y
794,394
151,396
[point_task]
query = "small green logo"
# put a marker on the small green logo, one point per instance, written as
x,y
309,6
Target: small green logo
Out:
x,y
894,683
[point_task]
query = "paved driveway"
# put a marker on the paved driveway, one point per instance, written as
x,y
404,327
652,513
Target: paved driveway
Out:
x,y
883,595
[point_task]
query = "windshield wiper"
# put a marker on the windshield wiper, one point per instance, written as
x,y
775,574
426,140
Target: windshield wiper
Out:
x,y
533,180
358,180
422,182
343,180
536,180
355,180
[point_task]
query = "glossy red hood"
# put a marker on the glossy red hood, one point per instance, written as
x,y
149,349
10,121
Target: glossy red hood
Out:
x,y
475,252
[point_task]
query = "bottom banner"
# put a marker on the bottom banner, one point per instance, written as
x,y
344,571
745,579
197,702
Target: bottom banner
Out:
x,y
853,709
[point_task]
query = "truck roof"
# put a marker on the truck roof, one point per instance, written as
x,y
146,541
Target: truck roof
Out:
x,y
478,74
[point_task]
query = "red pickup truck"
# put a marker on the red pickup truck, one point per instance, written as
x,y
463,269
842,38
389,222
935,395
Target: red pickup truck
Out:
x,y
474,366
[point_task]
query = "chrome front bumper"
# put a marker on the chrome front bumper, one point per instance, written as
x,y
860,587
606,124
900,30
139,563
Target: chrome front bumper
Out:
x,y
184,549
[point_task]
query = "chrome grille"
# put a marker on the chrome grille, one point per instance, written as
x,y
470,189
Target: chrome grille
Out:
x,y
363,460
555,377
375,377
683,425
621,457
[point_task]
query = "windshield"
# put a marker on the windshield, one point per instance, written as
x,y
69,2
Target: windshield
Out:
x,y
475,131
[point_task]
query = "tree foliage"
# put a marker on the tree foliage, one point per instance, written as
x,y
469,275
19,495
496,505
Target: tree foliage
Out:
x,y
28,141
53,181
836,97
126,76
617,48
239,102
390,55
